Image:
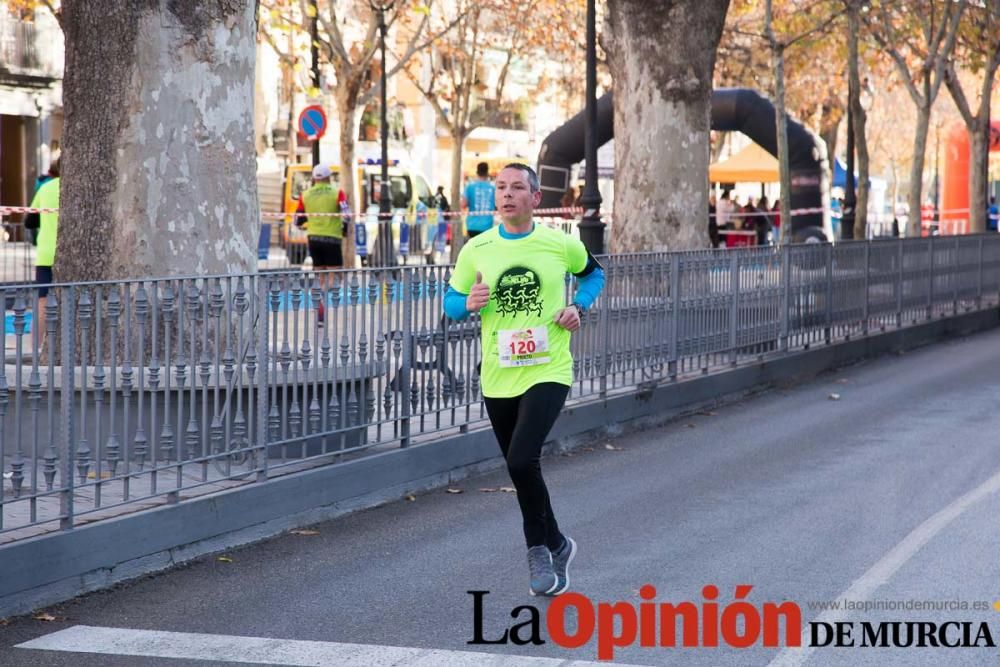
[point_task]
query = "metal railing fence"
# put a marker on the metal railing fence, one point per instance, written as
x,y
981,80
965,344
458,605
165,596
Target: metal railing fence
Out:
x,y
116,397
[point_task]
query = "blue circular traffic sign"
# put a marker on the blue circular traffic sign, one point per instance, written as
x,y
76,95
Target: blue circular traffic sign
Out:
x,y
312,122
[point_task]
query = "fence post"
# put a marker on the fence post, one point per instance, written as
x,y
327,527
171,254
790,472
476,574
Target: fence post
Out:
x,y
979,282
868,271
899,283
828,329
786,286
408,343
607,306
734,306
66,392
930,284
262,378
956,273
675,315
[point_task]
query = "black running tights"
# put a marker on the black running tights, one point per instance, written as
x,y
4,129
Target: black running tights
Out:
x,y
521,425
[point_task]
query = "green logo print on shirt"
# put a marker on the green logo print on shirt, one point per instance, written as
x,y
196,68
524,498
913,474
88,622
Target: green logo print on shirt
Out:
x,y
519,291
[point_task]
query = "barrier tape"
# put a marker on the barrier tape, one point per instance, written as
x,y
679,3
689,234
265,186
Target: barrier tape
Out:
x,y
543,212
5,210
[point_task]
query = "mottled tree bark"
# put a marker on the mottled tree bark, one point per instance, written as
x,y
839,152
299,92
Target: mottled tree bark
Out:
x,y
917,169
831,114
662,54
346,95
860,117
159,169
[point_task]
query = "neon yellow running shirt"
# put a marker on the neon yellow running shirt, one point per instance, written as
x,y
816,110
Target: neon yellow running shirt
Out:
x,y
522,345
47,197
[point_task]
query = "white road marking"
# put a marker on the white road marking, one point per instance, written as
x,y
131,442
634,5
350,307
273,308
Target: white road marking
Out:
x,y
261,650
888,565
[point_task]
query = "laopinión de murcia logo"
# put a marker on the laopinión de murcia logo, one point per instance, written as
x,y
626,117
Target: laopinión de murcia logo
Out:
x,y
572,620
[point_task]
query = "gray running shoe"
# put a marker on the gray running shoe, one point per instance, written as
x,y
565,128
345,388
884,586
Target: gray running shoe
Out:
x,y
560,563
543,577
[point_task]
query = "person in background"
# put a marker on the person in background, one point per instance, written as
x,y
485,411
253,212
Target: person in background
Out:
x,y
31,234
440,201
762,222
724,210
480,201
47,226
993,215
318,212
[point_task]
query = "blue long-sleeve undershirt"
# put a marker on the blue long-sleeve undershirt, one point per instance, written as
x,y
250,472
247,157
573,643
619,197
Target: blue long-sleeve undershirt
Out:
x,y
587,289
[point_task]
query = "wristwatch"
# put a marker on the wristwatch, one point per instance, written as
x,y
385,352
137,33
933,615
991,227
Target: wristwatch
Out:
x,y
579,309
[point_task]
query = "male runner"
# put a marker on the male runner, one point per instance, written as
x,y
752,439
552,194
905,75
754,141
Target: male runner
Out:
x,y
514,276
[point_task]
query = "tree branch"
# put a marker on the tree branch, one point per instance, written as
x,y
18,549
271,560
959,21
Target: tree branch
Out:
x,y
429,95
942,56
957,94
898,60
819,28
335,45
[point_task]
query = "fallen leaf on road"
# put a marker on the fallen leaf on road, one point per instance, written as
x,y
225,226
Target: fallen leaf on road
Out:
x,y
707,413
489,490
587,449
3,622
44,616
105,474
304,532
410,497
689,425
508,489
834,397
612,448
454,490
224,559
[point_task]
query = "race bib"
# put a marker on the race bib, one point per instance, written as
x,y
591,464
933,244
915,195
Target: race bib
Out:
x,y
523,347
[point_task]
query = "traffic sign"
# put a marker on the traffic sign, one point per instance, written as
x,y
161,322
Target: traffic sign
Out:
x,y
312,122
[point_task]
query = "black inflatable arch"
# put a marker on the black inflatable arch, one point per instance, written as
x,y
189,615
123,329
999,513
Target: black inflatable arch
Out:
x,y
733,110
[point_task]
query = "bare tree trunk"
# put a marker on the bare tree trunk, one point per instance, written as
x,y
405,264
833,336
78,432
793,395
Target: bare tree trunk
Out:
x,y
917,170
159,160
457,146
347,112
864,182
895,186
662,55
979,147
830,120
784,169
781,121
860,140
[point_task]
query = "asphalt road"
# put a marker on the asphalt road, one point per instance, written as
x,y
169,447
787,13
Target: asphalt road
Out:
x,y
887,495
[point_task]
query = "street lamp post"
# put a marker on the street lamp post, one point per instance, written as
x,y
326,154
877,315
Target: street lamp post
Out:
x,y
314,54
386,246
591,227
